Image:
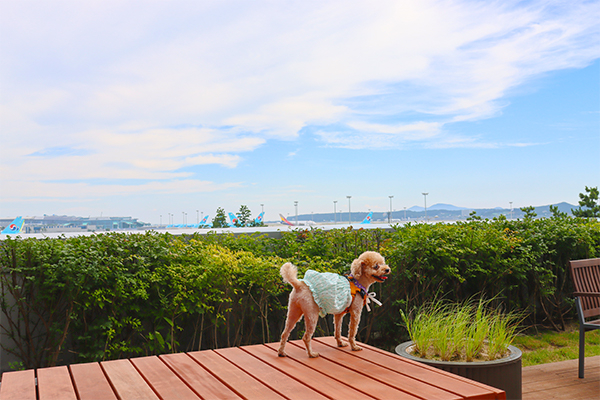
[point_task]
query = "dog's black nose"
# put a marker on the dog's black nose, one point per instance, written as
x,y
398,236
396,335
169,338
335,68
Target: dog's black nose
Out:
x,y
387,270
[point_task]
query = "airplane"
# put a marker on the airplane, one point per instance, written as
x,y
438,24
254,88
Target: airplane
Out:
x,y
300,223
204,222
234,219
14,227
368,218
259,219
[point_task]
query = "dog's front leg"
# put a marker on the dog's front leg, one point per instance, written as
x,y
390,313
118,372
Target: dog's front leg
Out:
x,y
354,320
337,323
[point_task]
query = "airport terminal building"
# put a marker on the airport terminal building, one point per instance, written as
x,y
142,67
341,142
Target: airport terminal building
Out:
x,y
64,223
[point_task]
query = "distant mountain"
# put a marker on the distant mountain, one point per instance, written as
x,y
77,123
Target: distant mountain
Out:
x,y
449,207
441,212
438,206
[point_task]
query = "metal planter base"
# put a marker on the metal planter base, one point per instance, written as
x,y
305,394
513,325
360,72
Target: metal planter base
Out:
x,y
504,373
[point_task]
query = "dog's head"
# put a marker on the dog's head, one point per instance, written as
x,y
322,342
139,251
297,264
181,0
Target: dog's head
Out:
x,y
371,265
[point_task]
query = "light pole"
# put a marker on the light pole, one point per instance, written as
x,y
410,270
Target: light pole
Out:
x,y
334,212
425,197
198,217
405,213
349,210
390,217
511,209
262,206
296,204
161,220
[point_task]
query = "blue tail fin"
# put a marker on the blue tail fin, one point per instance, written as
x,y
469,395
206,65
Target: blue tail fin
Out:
x,y
368,218
259,219
14,227
234,219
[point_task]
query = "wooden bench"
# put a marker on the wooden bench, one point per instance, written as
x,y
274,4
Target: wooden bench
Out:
x,y
586,283
249,372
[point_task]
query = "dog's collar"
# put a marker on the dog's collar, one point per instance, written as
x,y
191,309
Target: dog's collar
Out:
x,y
356,287
363,290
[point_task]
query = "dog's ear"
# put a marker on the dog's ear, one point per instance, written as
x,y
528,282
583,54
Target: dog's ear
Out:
x,y
356,268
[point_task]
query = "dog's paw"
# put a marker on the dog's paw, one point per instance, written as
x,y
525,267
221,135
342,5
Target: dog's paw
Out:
x,y
342,344
356,348
281,354
313,355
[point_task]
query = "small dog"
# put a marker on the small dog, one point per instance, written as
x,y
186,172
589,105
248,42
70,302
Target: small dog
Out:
x,y
312,297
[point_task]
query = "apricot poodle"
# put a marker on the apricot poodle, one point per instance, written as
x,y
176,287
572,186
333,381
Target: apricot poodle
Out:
x,y
329,293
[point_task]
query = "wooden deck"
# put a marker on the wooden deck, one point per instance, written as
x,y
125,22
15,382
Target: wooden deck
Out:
x,y
559,381
250,372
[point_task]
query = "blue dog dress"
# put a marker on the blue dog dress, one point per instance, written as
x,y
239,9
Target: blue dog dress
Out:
x,y
331,291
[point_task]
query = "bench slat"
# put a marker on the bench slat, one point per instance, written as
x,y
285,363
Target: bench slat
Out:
x,y
18,385
433,376
91,383
197,378
325,385
383,375
359,381
55,383
238,380
268,375
126,381
162,379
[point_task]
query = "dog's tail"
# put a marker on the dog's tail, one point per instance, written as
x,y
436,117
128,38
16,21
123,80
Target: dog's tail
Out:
x,y
289,273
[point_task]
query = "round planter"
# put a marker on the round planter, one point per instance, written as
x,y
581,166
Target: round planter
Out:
x,y
504,373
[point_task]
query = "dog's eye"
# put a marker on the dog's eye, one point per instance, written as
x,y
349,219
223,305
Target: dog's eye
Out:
x,y
376,266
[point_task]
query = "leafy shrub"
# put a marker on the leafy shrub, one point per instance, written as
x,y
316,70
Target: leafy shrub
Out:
x,y
119,295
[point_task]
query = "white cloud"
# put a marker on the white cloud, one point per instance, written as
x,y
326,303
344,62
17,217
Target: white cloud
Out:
x,y
145,90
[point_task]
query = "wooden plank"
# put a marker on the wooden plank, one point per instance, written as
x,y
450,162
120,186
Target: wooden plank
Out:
x,y
383,375
90,382
55,383
464,387
165,383
239,381
560,381
18,385
566,368
359,381
126,381
321,383
269,376
197,378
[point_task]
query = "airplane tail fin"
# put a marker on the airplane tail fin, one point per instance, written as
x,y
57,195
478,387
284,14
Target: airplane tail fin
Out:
x,y
285,221
260,217
234,219
368,218
14,227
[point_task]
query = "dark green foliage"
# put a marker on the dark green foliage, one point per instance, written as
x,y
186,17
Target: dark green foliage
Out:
x,y
220,219
588,204
244,216
121,295
529,212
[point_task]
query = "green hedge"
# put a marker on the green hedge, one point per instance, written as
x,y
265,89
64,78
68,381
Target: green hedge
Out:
x,y
121,295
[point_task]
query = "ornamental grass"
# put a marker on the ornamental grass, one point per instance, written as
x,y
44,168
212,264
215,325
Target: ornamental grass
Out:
x,y
469,331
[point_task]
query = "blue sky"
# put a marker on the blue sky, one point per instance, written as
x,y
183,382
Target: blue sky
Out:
x,y
144,108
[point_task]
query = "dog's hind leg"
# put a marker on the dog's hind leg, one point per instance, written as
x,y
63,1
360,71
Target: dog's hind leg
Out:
x,y
293,316
337,322
310,320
